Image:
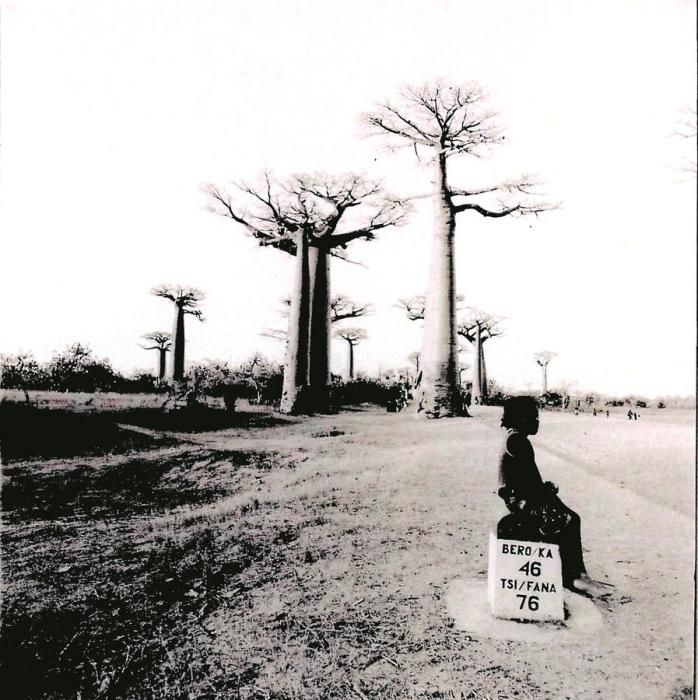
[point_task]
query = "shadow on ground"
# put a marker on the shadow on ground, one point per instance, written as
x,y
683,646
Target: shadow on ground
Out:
x,y
27,432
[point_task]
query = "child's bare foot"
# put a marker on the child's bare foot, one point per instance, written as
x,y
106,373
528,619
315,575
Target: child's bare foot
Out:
x,y
593,588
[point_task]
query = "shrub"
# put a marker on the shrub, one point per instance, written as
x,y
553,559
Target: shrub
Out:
x,y
257,379
356,391
550,398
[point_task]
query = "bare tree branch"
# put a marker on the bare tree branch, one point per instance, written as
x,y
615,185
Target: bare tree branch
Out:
x,y
272,223
504,210
275,334
342,307
314,203
448,119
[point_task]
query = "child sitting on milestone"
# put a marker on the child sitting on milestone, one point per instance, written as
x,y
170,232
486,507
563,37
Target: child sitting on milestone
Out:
x,y
534,501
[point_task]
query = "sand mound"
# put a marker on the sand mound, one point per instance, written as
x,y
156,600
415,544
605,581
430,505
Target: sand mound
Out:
x,y
466,602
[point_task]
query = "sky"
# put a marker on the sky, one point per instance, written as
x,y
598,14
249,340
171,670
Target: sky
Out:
x,y
113,115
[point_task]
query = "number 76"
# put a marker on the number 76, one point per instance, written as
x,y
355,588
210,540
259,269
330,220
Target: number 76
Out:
x,y
532,601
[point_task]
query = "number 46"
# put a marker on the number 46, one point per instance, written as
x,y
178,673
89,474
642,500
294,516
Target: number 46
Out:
x,y
531,567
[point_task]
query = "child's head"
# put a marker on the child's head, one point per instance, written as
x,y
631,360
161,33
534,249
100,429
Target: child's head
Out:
x,y
521,413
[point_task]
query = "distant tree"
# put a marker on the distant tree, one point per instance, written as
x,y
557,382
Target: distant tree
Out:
x,y
415,305
413,357
543,359
162,342
76,369
186,301
22,371
477,328
306,216
352,336
439,121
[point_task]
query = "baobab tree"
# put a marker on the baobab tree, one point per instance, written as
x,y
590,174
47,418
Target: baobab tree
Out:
x,y
477,328
162,342
353,336
186,301
543,359
439,122
308,216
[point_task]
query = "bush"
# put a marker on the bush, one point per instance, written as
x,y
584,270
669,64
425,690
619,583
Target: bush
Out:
x,y
550,399
72,369
23,372
257,379
615,402
140,383
357,391
497,399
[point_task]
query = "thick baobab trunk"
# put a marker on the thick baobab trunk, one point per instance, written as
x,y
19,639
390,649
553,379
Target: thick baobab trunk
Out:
x,y
483,373
351,360
476,389
296,362
162,364
440,395
319,356
178,349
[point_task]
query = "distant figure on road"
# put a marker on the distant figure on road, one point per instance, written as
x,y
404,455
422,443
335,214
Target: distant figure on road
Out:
x,y
535,501
630,414
607,413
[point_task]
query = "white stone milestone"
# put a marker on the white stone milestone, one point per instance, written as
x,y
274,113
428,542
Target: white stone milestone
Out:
x,y
525,580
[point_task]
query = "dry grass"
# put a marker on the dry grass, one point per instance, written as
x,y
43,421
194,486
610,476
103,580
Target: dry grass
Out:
x,y
309,560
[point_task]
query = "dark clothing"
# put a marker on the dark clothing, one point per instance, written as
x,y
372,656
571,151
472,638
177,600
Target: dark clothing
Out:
x,y
517,467
536,503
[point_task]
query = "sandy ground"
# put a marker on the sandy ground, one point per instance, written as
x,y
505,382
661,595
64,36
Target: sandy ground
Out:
x,y
381,589
426,493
